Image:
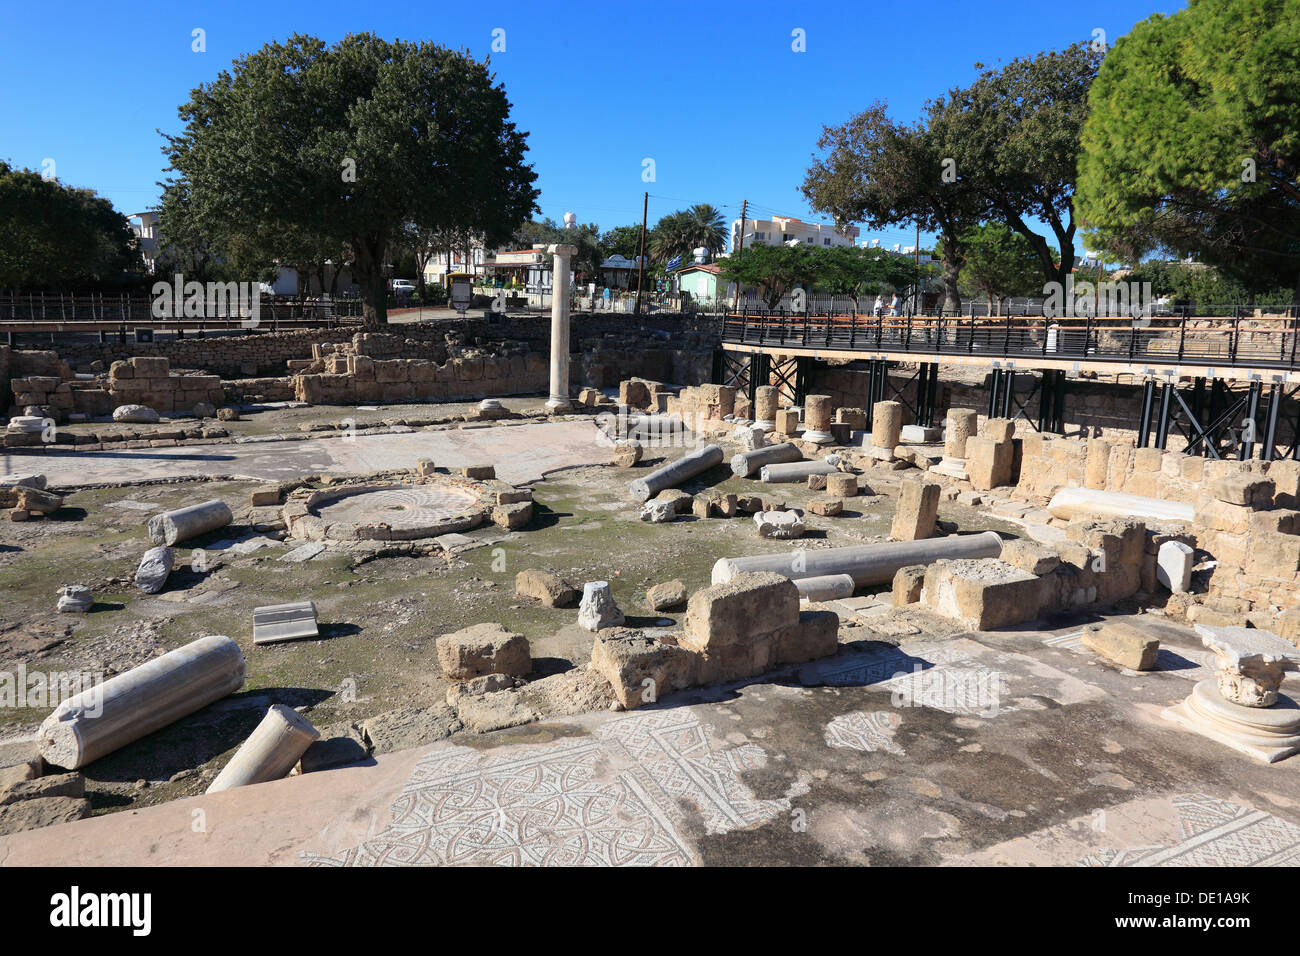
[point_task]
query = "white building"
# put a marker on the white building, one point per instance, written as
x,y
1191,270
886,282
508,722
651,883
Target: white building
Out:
x,y
145,226
786,230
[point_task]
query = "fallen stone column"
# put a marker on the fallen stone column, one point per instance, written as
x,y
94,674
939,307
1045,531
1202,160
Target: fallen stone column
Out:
x,y
270,751
827,587
747,462
129,706
1093,503
172,526
867,563
674,473
794,471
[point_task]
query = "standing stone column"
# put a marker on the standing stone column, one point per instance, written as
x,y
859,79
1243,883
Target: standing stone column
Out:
x,y
886,429
559,400
817,419
765,402
960,425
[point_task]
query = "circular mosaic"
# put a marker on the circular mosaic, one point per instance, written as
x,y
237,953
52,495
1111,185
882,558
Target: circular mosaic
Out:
x,y
395,512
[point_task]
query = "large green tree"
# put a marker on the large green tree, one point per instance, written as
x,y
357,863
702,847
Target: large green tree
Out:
x,y
999,262
1192,141
1014,136
852,272
772,270
882,173
355,142
54,235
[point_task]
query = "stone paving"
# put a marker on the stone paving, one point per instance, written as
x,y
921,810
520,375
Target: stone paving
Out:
x,y
1008,748
521,453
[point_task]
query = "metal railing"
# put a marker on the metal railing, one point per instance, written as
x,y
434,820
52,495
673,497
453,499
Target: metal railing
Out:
x,y
1268,341
89,312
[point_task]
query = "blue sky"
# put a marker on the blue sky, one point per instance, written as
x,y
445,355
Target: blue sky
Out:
x,y
713,93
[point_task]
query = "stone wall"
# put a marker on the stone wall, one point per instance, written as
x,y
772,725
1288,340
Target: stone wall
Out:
x,y
1246,512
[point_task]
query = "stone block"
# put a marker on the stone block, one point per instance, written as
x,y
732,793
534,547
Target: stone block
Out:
x,y
842,485
150,367
1250,490
908,582
546,587
512,516
1123,644
917,511
640,668
746,607
998,429
1030,556
483,649
826,507
982,594
666,596
787,421
988,462
814,635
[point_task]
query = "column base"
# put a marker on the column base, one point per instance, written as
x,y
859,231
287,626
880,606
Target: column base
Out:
x,y
765,425
816,437
559,404
1268,734
952,468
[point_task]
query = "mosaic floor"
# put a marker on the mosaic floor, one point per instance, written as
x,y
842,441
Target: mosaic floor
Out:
x,y
570,803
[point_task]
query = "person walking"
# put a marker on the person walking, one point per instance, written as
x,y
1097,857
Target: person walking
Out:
x,y
880,306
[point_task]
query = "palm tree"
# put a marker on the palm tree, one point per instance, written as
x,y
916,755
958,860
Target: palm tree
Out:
x,y
671,237
706,228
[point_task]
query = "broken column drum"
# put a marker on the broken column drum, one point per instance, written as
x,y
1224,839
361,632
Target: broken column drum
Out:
x,y
794,471
747,462
129,706
674,473
270,752
886,425
826,587
766,398
183,523
866,564
960,424
817,419
559,400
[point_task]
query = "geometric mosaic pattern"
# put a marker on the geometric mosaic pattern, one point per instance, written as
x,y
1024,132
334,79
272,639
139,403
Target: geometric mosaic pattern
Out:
x,y
1214,832
863,730
560,804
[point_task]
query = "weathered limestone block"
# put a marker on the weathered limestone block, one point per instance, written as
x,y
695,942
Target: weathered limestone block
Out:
x,y
814,635
841,485
917,512
1030,556
744,608
597,609
136,414
988,462
512,516
478,472
787,421
999,429
666,596
150,367
1123,644
641,668
75,599
1096,464
982,594
483,649
546,587
826,506
908,583
634,392
1249,490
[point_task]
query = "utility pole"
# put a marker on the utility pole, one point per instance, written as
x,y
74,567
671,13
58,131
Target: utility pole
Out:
x,y
640,266
916,285
740,245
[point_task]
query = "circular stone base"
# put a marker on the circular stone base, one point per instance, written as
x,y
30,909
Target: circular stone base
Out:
x,y
817,438
1268,733
395,512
